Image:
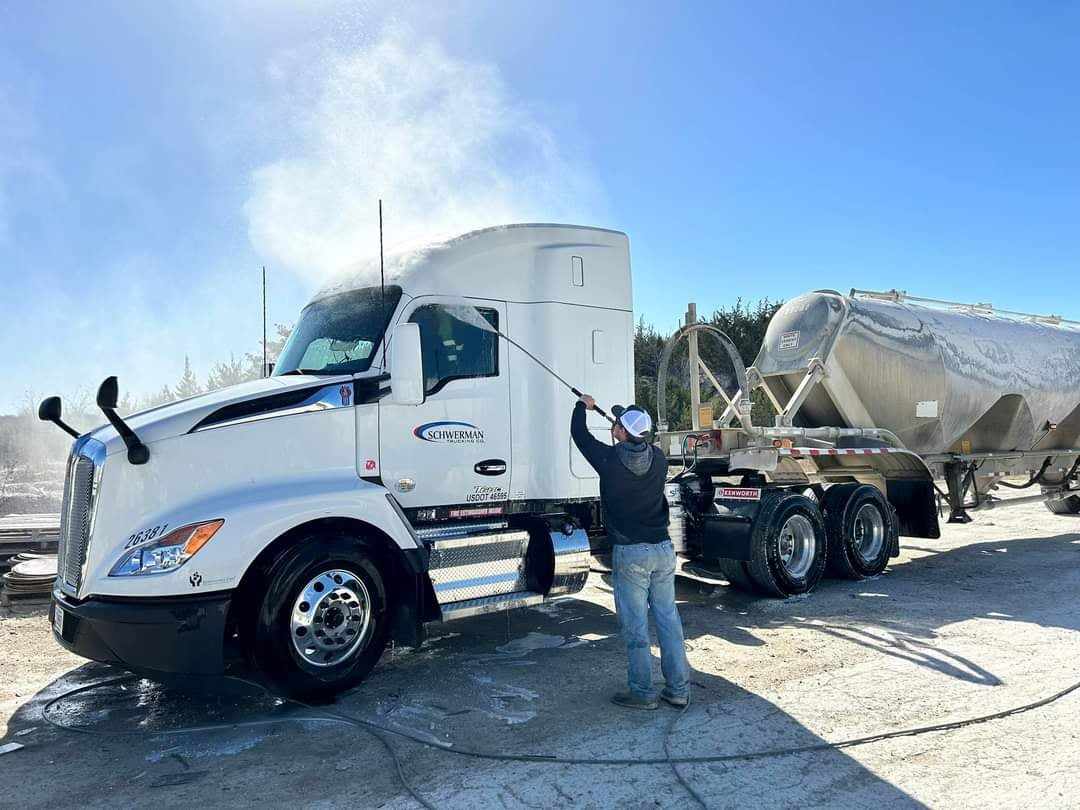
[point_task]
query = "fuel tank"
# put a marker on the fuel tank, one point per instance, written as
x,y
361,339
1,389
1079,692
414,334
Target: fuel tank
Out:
x,y
943,378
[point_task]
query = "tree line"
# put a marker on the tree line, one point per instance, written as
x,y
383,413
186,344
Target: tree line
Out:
x,y
743,322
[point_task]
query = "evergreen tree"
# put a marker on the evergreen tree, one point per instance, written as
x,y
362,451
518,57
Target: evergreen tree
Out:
x,y
162,396
228,373
274,345
189,383
742,322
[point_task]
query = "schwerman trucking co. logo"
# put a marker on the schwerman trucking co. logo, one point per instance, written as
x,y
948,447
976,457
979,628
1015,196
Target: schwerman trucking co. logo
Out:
x,y
449,433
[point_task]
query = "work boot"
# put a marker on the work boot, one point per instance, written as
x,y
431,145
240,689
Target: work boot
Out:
x,y
628,700
678,701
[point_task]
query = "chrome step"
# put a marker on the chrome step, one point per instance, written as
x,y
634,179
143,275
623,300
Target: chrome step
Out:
x,y
489,604
699,572
478,565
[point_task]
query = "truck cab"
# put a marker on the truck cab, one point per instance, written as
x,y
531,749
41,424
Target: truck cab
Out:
x,y
404,464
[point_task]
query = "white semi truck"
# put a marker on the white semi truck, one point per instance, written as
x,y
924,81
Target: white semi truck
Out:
x,y
403,465
400,466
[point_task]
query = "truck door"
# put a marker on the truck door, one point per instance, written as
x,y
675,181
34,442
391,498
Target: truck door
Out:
x,y
454,448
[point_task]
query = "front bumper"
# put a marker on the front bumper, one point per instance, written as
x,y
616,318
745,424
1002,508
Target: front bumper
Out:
x,y
166,636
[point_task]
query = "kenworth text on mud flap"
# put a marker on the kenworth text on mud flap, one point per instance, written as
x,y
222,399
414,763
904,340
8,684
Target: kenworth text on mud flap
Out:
x,y
406,464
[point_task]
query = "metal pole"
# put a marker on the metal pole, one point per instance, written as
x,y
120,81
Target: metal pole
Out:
x,y
382,287
264,319
695,374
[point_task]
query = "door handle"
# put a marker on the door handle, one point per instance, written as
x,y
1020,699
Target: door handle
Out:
x,y
491,466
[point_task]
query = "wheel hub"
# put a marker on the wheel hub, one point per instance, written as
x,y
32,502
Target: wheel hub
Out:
x,y
330,618
798,546
869,533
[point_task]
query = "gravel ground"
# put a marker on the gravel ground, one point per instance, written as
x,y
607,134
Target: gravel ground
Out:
x,y
983,619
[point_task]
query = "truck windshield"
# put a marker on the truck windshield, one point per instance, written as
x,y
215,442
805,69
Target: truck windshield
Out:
x,y
338,334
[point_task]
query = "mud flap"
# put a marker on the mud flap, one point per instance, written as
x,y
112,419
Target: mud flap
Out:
x,y
916,508
724,536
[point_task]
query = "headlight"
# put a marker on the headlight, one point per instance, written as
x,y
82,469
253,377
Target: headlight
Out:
x,y
167,553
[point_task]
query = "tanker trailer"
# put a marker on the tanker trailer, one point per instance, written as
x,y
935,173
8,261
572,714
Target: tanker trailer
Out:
x,y
880,397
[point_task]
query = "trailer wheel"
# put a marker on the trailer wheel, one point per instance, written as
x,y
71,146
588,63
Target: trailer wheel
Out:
x,y
1064,506
861,526
323,622
787,545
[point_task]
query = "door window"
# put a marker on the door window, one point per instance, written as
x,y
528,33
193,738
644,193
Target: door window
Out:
x,y
453,349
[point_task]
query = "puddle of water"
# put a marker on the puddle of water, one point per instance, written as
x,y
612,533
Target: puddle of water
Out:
x,y
510,717
210,748
553,609
585,638
516,692
530,642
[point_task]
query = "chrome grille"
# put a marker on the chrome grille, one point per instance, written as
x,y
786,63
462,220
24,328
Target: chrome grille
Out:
x,y
76,514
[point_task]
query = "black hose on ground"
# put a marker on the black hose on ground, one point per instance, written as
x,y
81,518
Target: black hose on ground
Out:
x,y
670,761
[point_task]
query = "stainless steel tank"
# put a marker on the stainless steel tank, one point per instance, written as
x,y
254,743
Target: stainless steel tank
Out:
x,y
943,379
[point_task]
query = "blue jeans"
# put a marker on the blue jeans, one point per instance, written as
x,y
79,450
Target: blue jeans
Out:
x,y
645,583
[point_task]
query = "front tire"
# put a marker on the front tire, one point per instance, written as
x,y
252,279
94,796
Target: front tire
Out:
x,y
788,545
323,619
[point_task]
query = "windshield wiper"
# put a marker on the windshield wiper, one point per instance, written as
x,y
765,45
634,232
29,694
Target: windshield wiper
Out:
x,y
302,371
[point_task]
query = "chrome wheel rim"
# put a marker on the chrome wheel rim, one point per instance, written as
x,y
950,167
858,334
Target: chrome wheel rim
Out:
x,y
798,546
868,533
330,618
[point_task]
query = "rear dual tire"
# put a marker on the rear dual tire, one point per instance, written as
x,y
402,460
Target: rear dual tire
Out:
x,y
788,546
862,528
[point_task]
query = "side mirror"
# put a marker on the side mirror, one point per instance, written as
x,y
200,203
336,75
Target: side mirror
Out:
x,y
406,365
108,394
49,410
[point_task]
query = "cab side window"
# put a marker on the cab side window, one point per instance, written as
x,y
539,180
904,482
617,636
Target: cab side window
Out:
x,y
453,349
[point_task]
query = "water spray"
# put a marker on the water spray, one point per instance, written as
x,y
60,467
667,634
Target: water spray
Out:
x,y
471,316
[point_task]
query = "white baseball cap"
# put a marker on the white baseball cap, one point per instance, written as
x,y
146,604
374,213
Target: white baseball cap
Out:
x,y
634,419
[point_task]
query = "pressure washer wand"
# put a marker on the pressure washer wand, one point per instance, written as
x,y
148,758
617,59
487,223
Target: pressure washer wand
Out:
x,y
471,315
550,371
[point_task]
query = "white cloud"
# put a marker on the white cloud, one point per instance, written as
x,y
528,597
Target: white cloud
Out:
x,y
442,141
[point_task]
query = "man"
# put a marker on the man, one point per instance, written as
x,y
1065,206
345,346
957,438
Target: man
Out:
x,y
632,476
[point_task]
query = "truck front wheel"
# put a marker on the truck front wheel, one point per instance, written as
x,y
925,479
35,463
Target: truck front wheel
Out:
x,y
323,622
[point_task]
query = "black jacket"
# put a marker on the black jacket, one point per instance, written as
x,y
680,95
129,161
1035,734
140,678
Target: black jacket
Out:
x,y
631,492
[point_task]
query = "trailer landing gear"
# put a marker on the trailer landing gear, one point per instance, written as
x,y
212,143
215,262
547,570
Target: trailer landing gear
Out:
x,y
957,482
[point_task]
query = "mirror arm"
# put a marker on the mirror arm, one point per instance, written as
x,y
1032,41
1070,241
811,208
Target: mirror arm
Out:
x,y
137,452
64,426
49,411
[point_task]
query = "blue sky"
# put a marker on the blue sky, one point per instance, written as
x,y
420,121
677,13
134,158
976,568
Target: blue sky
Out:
x,y
154,155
